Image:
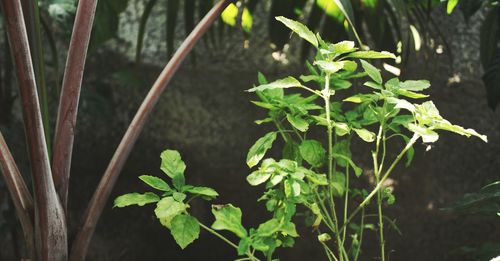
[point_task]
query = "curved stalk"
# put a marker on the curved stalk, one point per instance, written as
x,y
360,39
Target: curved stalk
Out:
x,y
19,193
110,176
50,222
70,96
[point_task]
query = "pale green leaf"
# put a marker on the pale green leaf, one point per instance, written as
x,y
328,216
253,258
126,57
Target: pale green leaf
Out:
x,y
259,149
185,229
297,122
365,134
172,164
329,67
203,191
228,217
136,199
230,14
428,136
300,29
343,47
287,82
412,85
167,209
372,71
155,182
268,228
258,177
371,55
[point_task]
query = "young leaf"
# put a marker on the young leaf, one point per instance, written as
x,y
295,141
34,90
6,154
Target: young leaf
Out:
x,y
167,209
329,67
428,136
372,71
416,86
203,191
228,217
185,229
259,149
365,135
297,122
155,182
268,228
258,177
300,29
172,164
136,199
244,245
313,152
179,196
284,83
371,55
262,78
343,47
410,94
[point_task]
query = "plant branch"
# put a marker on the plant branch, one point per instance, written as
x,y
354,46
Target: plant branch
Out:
x,y
110,176
382,180
21,197
70,96
50,224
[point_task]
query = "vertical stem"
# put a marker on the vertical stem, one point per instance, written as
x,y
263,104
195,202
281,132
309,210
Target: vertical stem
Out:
x,y
33,25
381,225
378,168
326,96
50,222
70,96
346,201
100,196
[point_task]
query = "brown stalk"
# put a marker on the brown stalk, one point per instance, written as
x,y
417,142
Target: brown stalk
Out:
x,y
101,195
19,193
70,96
50,223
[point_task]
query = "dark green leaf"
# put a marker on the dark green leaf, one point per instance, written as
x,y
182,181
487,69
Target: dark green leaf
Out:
x,y
185,229
155,182
313,152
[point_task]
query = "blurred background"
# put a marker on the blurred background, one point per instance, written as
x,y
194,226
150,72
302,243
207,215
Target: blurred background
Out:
x,y
206,115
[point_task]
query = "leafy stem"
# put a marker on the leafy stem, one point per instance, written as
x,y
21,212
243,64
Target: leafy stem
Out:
x,y
383,179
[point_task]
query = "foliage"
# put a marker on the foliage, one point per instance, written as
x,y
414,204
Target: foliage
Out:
x,y
313,177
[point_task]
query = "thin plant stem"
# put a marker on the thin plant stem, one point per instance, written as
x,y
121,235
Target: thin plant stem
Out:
x,y
223,238
380,225
326,96
346,201
382,180
362,229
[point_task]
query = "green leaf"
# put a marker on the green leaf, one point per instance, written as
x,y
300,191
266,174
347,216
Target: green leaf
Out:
x,y
329,67
300,29
259,149
451,5
343,47
136,199
268,228
410,94
244,245
185,229
371,55
428,136
155,182
246,20
258,177
172,164
228,217
341,128
167,209
324,237
372,71
365,134
288,228
179,196
313,152
297,122
373,85
412,85
401,104
284,83
203,191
